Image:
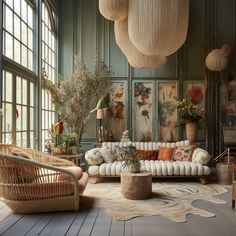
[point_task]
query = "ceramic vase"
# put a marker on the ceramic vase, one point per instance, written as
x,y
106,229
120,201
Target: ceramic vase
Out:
x,y
192,131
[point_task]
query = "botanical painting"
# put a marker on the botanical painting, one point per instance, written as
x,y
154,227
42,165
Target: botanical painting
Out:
x,y
117,111
196,90
167,115
228,104
142,111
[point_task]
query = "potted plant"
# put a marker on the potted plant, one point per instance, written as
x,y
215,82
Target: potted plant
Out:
x,y
74,97
131,159
190,114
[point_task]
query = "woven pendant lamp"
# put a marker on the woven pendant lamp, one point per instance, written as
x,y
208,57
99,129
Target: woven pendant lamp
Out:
x,y
216,60
158,26
134,56
114,9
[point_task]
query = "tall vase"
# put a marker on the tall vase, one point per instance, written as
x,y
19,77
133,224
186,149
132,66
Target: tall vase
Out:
x,y
192,131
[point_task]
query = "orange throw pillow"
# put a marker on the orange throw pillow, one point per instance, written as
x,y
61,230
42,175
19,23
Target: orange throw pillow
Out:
x,y
165,154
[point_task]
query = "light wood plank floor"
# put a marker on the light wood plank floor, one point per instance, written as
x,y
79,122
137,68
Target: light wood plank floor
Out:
x,y
95,222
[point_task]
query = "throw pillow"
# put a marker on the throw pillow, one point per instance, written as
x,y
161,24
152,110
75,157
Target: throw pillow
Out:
x,y
165,154
119,153
93,157
184,153
19,172
19,152
148,154
107,154
200,156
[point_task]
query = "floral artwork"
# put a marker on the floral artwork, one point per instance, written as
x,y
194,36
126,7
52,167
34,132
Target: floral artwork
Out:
x,y
195,91
143,111
167,116
116,110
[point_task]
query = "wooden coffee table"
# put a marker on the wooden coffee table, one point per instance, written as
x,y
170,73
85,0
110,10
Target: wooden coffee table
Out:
x,y
136,186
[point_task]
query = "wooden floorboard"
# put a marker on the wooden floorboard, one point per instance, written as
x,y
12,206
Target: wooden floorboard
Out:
x,y
96,222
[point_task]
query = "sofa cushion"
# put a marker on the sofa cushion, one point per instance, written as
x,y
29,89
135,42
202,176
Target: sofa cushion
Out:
x,y
165,153
107,154
147,154
94,157
200,156
184,153
83,182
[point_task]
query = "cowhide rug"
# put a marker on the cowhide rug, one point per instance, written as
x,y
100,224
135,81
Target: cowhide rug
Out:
x,y
170,200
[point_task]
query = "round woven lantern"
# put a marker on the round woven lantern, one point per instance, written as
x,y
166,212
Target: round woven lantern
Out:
x,y
134,56
114,9
216,60
158,26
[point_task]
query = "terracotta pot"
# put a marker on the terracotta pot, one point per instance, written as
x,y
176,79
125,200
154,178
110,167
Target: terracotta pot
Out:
x,y
192,131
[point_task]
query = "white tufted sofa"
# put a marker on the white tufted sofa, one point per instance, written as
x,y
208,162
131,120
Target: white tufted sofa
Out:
x,y
157,168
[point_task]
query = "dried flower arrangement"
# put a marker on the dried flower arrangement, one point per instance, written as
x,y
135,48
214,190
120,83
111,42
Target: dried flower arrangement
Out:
x,y
189,111
74,97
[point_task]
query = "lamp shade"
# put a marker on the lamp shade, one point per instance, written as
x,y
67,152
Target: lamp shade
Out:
x,y
134,56
216,60
100,113
114,9
158,27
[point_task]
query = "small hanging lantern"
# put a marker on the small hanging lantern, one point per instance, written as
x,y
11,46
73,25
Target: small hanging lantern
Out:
x,y
134,56
114,9
158,26
216,60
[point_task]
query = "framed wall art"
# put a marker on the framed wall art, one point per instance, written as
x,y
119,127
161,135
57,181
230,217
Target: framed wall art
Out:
x,y
142,110
167,114
117,110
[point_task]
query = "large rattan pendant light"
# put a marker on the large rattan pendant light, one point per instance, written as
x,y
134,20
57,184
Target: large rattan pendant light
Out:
x,y
134,56
158,26
114,9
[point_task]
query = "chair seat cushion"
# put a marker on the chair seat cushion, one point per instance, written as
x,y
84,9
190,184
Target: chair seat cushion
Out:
x,y
75,170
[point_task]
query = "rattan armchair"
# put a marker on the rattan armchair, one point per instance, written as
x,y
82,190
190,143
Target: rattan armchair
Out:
x,y
28,186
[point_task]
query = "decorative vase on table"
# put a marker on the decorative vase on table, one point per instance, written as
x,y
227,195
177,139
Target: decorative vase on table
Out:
x,y
191,131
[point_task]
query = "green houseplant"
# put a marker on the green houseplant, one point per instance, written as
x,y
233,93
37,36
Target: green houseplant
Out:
x,y
131,159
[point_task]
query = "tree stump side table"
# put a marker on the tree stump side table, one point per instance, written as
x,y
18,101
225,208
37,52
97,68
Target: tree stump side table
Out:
x,y
136,186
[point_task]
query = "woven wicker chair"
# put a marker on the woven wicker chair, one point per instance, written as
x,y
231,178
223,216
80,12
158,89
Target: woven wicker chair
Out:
x,y
28,186
38,156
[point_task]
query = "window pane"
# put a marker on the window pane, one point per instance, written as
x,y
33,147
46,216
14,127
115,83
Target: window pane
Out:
x,y
24,10
31,94
30,59
30,16
17,6
23,33
18,90
8,88
24,92
16,26
16,51
8,45
24,56
24,117
31,118
30,38
9,19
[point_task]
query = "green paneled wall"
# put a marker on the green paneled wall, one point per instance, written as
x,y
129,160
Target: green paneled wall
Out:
x,y
83,30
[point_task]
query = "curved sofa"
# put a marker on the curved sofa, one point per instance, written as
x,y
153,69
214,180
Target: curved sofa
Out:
x,y
157,168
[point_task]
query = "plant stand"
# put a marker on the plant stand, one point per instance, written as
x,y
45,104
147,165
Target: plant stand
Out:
x,y
136,186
